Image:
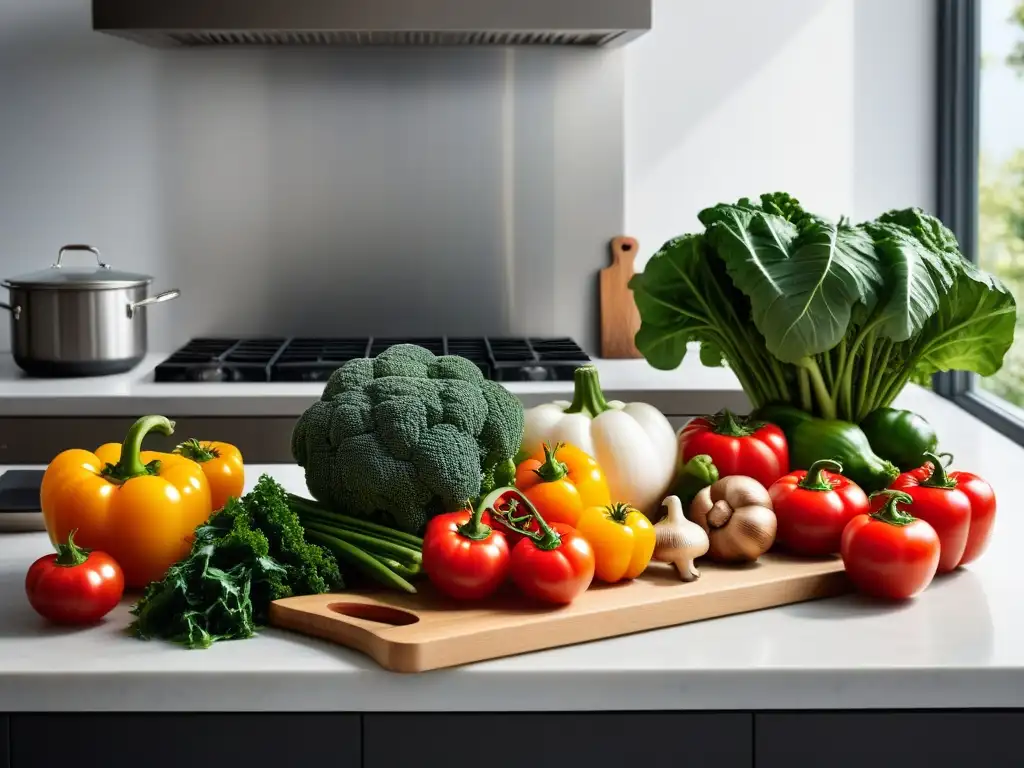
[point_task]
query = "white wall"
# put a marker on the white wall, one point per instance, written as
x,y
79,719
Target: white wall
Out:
x,y
829,100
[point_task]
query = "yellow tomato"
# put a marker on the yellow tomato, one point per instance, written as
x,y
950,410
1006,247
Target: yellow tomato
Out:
x,y
622,539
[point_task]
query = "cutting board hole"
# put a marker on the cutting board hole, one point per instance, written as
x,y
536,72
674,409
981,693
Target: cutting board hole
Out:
x,y
627,247
381,614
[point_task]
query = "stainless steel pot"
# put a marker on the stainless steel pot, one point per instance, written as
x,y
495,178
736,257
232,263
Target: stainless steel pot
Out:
x,y
73,321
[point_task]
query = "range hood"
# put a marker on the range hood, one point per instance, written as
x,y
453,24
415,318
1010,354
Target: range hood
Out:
x,y
191,23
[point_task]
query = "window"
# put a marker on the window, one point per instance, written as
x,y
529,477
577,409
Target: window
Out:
x,y
981,177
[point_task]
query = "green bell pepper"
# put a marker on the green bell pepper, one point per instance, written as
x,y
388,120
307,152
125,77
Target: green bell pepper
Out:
x,y
902,437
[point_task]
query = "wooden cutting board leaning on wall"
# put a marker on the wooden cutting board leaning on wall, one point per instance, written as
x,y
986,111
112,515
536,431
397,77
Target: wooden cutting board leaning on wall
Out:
x,y
620,319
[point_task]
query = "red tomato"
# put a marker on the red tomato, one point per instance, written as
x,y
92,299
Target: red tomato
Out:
x,y
459,565
737,446
945,506
812,508
983,506
556,575
75,585
983,514
890,554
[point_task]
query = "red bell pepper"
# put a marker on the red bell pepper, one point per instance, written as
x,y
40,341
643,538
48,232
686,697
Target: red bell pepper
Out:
x,y
463,556
554,564
812,508
962,504
891,553
737,446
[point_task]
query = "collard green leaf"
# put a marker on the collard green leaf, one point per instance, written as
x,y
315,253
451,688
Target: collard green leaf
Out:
x,y
973,328
670,295
935,235
803,283
916,279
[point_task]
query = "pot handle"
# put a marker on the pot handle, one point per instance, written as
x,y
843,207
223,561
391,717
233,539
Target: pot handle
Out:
x,y
15,311
91,249
158,299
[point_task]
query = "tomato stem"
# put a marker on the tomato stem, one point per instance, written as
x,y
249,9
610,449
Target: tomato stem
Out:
x,y
814,481
474,528
547,538
890,513
198,452
552,470
130,464
725,423
938,478
619,512
69,555
587,397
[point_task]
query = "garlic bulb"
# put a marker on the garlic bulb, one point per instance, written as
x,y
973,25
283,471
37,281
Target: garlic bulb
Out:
x,y
679,541
736,513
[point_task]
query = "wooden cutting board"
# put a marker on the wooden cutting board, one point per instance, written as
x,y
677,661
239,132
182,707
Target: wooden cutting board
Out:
x,y
415,633
620,319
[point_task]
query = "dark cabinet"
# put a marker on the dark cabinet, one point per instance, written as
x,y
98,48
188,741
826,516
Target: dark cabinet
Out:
x,y
888,739
5,744
176,740
696,740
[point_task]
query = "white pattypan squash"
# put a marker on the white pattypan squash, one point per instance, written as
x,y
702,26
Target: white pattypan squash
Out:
x,y
632,442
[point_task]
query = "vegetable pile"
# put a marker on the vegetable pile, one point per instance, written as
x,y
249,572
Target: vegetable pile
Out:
x,y
831,317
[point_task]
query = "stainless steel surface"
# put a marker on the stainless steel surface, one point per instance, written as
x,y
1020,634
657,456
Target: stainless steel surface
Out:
x,y
15,310
177,23
60,276
158,299
80,322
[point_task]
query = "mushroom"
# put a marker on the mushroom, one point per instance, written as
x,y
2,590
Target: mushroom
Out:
x,y
679,541
736,513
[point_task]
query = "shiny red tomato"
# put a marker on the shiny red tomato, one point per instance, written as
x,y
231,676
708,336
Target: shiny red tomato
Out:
x,y
812,508
983,505
737,446
945,506
554,572
890,554
74,585
464,559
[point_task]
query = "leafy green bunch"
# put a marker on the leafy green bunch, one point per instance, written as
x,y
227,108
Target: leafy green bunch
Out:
x,y
832,317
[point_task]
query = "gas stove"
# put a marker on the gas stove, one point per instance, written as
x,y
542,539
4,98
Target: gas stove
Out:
x,y
314,359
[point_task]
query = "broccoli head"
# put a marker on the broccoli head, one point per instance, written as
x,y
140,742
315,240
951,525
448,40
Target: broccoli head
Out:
x,y
405,435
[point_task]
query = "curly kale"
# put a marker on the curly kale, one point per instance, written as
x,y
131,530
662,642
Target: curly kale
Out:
x,y
405,435
248,554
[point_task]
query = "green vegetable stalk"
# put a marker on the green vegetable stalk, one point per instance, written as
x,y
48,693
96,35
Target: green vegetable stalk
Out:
x,y
830,317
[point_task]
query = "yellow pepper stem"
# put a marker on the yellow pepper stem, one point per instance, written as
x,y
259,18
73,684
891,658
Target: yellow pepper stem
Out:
x,y
130,465
197,451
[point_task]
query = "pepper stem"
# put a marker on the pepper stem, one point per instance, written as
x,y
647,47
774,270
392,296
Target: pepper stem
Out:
x,y
890,513
130,464
198,452
587,396
938,478
814,481
474,528
69,555
619,512
552,470
725,423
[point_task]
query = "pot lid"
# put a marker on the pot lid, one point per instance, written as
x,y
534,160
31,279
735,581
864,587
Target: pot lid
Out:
x,y
60,276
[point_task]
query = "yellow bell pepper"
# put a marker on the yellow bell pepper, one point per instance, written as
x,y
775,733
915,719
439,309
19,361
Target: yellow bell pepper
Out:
x,y
140,507
222,465
622,538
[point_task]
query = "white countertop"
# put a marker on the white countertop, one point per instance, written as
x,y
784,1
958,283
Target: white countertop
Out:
x,y
956,646
698,388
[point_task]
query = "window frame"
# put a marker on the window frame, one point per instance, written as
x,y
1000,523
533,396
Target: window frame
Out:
x,y
957,110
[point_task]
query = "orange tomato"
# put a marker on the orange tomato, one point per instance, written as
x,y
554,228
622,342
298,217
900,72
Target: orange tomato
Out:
x,y
562,482
222,465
